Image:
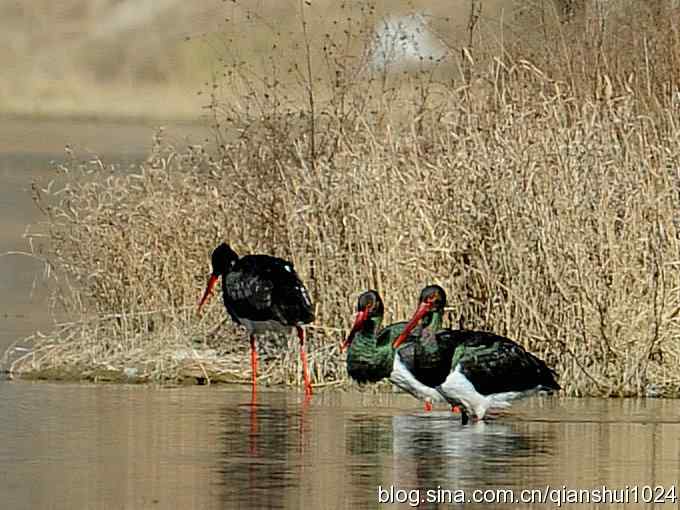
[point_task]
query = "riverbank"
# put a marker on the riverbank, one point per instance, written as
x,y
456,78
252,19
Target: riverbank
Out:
x,y
540,194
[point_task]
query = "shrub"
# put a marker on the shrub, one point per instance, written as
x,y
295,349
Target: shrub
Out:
x,y
540,193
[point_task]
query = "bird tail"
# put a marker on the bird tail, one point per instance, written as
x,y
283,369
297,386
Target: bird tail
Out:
x,y
547,376
502,400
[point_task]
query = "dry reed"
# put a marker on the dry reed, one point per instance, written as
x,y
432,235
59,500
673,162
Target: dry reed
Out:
x,y
540,187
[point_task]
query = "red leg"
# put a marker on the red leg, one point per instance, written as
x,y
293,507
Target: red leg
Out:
x,y
253,362
428,406
253,424
303,358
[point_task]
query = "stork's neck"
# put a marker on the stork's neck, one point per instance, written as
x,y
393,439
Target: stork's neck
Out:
x,y
365,359
432,323
371,327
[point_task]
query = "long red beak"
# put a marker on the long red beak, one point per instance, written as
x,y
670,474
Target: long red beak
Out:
x,y
359,320
212,281
422,311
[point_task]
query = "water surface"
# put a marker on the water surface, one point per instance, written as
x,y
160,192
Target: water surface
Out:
x,y
89,446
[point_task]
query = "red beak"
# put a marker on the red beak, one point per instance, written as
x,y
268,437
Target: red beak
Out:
x,y
422,311
212,281
359,320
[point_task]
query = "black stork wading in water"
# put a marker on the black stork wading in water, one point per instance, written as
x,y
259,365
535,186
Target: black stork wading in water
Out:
x,y
479,371
262,293
371,357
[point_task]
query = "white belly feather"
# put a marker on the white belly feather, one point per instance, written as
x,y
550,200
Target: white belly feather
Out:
x,y
457,388
404,379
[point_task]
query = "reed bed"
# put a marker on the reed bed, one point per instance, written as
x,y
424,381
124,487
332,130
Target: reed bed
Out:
x,y
538,184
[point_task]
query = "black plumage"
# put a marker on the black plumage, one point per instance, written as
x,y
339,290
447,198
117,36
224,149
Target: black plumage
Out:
x,y
264,288
468,365
495,364
492,363
430,367
262,293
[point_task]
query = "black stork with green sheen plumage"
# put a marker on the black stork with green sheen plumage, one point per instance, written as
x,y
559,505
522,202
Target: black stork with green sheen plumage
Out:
x,y
371,357
477,370
262,293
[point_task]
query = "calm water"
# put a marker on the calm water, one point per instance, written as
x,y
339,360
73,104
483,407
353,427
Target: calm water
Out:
x,y
125,447
76,446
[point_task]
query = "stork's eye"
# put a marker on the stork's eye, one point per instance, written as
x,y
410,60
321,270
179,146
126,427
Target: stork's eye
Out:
x,y
434,299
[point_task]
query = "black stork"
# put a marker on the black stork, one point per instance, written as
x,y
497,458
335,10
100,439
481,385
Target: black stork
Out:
x,y
262,293
480,371
371,357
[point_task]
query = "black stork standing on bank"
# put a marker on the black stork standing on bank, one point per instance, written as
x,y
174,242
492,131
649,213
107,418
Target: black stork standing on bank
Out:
x,y
371,357
477,370
262,293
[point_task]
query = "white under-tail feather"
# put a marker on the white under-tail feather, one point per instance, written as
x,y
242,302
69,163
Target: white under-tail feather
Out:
x,y
403,378
459,390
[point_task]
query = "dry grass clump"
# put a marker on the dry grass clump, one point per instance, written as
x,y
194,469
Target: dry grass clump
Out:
x,y
544,199
131,251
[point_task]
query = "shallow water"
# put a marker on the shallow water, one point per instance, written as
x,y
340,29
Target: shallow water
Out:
x,y
87,446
